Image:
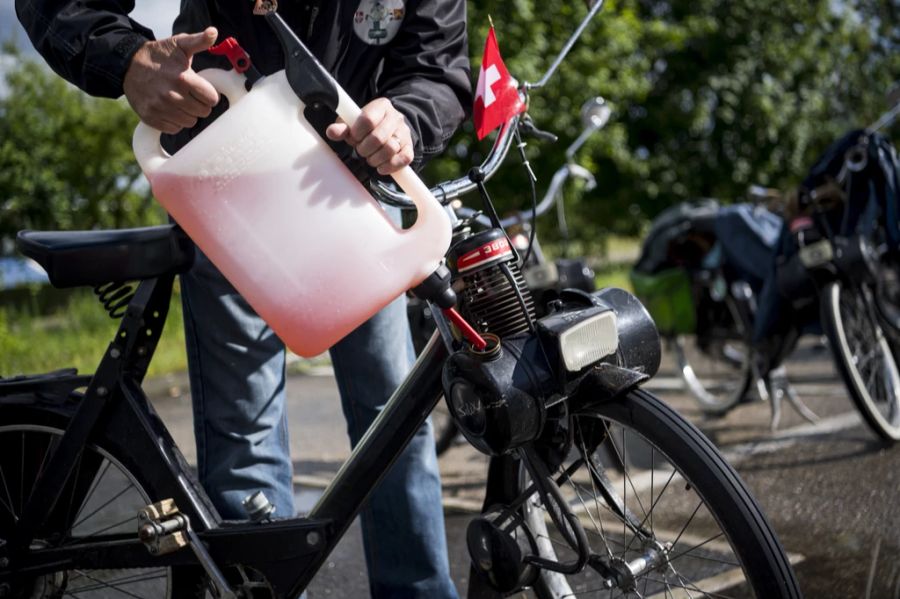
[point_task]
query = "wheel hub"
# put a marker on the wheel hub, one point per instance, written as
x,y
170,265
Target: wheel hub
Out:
x,y
47,586
625,574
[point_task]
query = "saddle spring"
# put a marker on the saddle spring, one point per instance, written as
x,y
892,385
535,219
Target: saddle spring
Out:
x,y
115,297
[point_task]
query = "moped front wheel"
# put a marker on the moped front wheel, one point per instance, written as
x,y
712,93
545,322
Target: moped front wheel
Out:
x,y
863,356
665,514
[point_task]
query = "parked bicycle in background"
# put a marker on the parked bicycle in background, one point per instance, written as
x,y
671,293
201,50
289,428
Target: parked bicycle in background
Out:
x,y
838,263
700,271
733,288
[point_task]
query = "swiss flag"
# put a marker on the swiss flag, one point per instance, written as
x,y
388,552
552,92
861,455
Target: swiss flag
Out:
x,y
496,97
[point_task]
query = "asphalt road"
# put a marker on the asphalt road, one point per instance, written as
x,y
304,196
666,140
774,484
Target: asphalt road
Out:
x,y
828,488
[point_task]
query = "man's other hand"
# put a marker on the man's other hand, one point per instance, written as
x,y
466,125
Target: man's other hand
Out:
x,y
380,135
161,86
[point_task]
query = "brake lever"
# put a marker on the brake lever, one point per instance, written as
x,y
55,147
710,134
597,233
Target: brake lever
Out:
x,y
527,127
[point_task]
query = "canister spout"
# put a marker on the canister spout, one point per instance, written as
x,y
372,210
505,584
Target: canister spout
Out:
x,y
306,75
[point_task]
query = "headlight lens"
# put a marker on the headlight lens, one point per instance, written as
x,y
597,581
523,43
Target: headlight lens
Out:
x,y
589,340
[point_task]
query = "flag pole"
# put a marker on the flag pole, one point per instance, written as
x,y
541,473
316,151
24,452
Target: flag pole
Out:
x,y
562,54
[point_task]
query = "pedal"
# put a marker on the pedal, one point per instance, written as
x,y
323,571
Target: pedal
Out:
x,y
162,528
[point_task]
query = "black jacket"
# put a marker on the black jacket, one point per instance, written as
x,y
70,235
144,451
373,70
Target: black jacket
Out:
x,y
416,56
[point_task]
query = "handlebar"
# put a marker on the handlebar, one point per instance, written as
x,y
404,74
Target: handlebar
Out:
x,y
450,190
550,197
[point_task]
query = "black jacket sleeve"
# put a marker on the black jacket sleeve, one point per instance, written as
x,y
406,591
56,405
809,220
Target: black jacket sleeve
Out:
x,y
426,73
88,42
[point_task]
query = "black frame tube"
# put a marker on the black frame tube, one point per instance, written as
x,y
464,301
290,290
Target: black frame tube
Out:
x,y
379,448
131,425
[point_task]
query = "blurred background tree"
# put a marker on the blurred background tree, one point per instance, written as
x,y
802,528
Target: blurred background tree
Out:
x,y
710,96
65,158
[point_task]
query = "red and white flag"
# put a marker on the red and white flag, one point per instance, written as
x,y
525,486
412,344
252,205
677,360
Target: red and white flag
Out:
x,y
496,97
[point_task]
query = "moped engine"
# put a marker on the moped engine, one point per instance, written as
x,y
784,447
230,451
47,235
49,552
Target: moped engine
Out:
x,y
500,395
493,393
490,287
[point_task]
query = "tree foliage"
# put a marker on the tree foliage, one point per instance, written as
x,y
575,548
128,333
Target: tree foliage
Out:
x,y
65,158
710,96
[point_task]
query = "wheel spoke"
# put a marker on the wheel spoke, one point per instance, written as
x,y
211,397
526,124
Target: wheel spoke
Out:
x,y
104,585
9,506
653,505
74,482
652,472
22,475
74,540
626,481
697,546
637,495
689,587
94,484
596,493
686,524
894,412
617,512
110,500
624,484
40,471
132,579
598,524
706,557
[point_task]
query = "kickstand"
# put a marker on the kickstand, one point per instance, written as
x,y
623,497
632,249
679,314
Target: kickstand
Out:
x,y
775,387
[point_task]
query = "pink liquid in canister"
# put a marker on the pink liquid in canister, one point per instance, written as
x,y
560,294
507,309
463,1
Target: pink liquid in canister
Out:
x,y
287,223
313,277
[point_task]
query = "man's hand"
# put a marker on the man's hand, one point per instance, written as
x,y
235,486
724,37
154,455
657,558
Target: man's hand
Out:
x,y
161,86
380,135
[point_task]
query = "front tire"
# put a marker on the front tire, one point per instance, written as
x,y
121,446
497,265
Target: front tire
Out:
x,y
703,531
863,356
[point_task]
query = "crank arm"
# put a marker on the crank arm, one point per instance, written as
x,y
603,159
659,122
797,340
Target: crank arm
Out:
x,y
221,587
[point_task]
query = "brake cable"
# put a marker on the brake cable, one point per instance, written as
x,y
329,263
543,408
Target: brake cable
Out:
x,y
520,144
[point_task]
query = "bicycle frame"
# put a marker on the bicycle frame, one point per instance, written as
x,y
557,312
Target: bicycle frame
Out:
x,y
114,408
288,552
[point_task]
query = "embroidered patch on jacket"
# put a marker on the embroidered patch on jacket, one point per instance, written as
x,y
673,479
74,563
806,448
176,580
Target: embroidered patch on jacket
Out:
x,y
376,22
264,7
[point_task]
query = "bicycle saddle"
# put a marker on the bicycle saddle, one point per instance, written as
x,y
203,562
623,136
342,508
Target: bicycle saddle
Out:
x,y
76,258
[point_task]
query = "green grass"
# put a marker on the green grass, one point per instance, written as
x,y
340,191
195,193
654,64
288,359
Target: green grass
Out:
x,y
47,329
614,276
75,333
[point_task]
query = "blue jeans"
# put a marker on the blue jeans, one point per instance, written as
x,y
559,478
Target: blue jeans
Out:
x,y
237,375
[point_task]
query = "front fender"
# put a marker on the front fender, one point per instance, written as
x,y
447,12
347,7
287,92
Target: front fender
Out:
x,y
606,381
